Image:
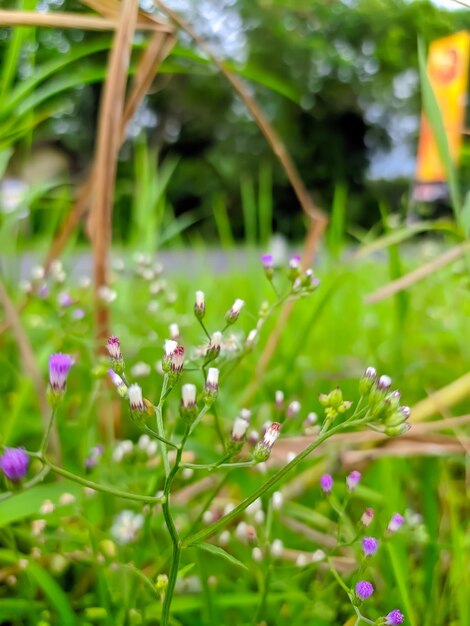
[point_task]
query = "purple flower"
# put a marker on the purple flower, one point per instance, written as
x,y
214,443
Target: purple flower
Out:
x,y
370,372
353,480
294,263
14,464
364,589
78,314
384,383
94,456
395,523
326,483
64,299
370,546
268,261
59,367
394,617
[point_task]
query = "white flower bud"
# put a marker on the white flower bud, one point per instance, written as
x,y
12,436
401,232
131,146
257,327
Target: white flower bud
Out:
x,y
277,548
278,500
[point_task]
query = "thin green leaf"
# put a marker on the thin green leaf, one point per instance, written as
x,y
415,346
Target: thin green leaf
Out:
x,y
53,592
217,551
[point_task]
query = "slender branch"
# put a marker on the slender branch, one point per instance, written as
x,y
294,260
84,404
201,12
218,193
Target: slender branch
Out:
x,y
47,434
175,540
154,434
98,487
212,466
160,427
204,328
198,418
272,482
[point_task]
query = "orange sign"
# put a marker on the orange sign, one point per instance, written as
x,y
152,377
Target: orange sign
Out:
x,y
448,64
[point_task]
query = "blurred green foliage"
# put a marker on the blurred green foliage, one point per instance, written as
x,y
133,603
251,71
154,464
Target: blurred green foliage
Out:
x,y
335,79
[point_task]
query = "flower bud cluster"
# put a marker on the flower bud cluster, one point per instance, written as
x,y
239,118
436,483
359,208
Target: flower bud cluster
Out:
x,y
384,405
334,403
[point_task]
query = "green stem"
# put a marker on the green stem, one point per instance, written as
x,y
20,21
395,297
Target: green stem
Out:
x,y
204,328
213,466
154,434
338,578
198,418
47,434
175,540
160,427
97,487
272,482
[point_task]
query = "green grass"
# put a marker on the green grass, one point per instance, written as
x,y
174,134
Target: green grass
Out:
x,y
330,338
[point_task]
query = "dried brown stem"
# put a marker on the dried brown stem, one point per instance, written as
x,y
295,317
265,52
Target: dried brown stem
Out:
x,y
106,154
416,275
59,19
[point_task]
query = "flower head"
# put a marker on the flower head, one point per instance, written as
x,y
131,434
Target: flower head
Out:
x,y
59,367
94,456
199,305
232,314
113,346
353,480
136,401
268,264
118,383
395,523
188,405
213,349
370,546
64,299
14,464
364,589
240,426
384,383
173,358
211,388
263,448
268,261
367,517
367,380
126,526
251,339
294,268
326,483
293,408
279,399
394,617
174,331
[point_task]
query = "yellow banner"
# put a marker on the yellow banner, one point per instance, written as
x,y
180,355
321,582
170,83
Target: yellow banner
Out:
x,y
447,67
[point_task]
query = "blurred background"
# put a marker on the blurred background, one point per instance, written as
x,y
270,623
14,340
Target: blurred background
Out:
x,y
339,82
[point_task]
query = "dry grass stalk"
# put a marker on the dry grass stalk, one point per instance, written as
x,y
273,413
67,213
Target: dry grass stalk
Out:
x,y
106,154
59,19
442,399
111,9
30,366
404,282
